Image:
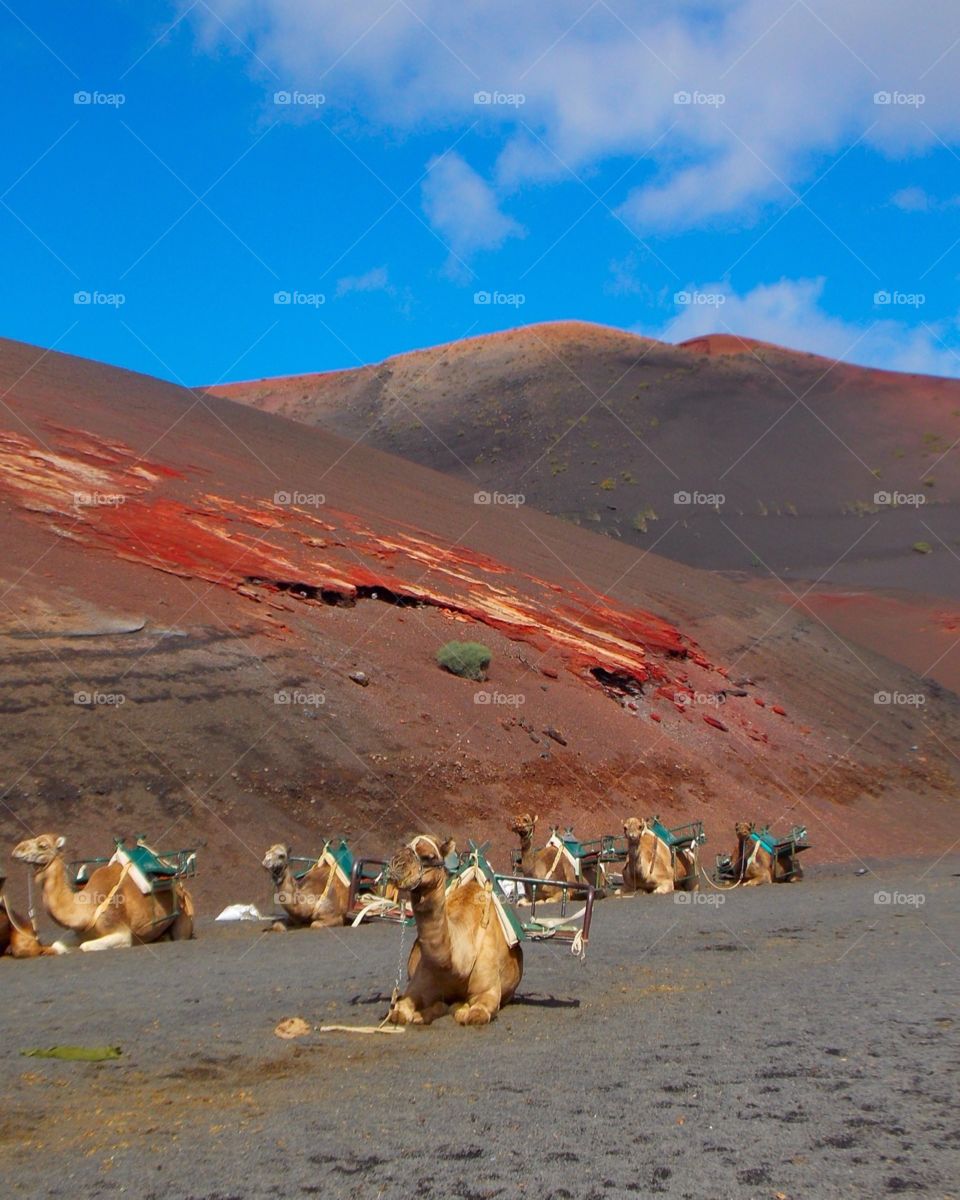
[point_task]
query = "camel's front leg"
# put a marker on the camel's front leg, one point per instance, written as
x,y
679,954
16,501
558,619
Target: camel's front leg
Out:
x,y
67,942
122,937
481,1008
663,889
420,1005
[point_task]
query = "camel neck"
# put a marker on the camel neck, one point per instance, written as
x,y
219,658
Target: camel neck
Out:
x,y
60,901
433,930
526,852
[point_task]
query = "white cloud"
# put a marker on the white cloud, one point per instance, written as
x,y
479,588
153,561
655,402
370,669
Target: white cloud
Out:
x,y
789,313
377,279
463,209
916,199
798,83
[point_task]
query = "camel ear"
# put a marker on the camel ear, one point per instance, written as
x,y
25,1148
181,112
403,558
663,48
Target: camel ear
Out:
x,y
535,820
448,847
61,842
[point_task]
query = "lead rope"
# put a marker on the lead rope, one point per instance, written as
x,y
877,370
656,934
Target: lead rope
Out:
x,y
31,910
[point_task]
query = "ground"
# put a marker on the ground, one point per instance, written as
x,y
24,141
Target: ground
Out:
x,y
791,1041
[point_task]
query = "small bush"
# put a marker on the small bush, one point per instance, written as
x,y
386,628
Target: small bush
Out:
x,y
923,547
466,659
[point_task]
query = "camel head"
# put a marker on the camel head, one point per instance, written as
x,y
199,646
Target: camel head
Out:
x,y
633,827
523,824
275,860
419,865
743,829
39,851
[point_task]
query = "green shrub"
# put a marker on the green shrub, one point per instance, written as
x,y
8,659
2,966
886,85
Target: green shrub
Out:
x,y
923,547
466,659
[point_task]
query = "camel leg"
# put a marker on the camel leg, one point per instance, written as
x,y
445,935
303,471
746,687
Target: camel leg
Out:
x,y
418,1006
663,889
327,922
122,937
182,928
65,943
481,1008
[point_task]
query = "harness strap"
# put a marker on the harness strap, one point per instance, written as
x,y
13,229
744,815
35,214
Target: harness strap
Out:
x,y
555,862
105,902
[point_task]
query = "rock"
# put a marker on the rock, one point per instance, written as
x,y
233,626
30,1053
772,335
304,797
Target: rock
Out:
x,y
360,677
557,736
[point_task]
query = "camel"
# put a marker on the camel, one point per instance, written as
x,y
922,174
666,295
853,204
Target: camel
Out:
x,y
318,899
109,910
548,863
461,957
17,938
650,867
753,864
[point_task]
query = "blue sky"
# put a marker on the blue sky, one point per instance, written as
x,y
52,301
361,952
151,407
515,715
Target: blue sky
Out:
x,y
729,166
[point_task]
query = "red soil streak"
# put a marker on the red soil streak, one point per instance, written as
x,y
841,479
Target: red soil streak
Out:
x,y
125,511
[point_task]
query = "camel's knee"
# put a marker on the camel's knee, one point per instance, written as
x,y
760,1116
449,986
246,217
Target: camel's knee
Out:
x,y
663,889
110,941
404,1013
473,1014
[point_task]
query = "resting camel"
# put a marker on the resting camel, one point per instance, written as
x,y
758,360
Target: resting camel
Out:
x,y
753,865
109,910
461,956
649,866
548,863
16,937
318,899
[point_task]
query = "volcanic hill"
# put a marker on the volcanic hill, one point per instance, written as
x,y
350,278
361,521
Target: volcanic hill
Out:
x,y
220,627
722,452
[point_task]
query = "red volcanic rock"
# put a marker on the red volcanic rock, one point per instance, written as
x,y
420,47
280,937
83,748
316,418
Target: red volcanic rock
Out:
x,y
715,723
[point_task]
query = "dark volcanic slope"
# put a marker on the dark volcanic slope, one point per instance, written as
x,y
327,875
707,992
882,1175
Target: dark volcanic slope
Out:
x,y
189,583
605,428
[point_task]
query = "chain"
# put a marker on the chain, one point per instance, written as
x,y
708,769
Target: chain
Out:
x,y
403,937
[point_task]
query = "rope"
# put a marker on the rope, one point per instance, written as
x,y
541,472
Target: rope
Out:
x,y
13,920
31,908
